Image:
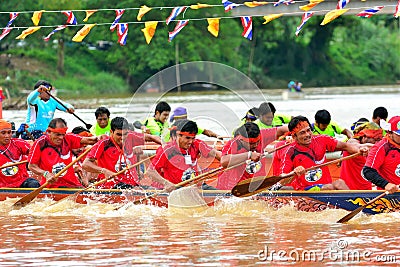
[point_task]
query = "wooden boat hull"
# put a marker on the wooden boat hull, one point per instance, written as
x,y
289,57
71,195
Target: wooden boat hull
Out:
x,y
303,200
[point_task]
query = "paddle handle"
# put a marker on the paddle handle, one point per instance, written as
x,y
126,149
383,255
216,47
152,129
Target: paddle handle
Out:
x,y
13,164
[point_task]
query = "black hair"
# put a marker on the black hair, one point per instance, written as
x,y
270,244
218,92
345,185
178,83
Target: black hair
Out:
x,y
296,120
162,106
380,112
79,129
266,107
248,130
184,125
323,116
42,82
252,114
53,122
119,123
102,110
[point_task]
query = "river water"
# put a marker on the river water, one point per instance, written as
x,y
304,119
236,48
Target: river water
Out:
x,y
234,232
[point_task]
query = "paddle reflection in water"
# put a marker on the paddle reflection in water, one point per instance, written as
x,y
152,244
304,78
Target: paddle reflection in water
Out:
x,y
233,232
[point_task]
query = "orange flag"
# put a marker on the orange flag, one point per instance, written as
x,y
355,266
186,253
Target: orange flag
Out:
x,y
271,17
81,34
88,14
27,32
213,26
198,6
331,15
37,15
310,5
255,3
149,30
142,11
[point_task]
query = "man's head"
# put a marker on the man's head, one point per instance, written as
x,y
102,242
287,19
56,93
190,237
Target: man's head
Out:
x,y
248,135
251,114
300,129
266,112
42,83
119,129
184,131
102,116
57,130
393,129
178,114
380,113
162,111
322,119
82,131
368,132
5,132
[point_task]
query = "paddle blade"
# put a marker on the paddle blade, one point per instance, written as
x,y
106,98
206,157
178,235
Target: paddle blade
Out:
x,y
88,126
29,197
349,216
254,185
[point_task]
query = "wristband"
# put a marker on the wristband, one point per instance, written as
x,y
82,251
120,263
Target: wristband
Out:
x,y
249,155
45,174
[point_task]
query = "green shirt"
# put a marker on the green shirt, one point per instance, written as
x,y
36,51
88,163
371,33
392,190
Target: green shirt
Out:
x,y
332,128
278,120
156,127
167,136
97,130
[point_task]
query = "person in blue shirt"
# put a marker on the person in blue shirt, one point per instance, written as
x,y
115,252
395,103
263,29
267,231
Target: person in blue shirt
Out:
x,y
41,108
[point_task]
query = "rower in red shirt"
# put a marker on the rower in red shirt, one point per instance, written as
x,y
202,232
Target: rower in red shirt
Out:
x,y
309,150
382,167
53,151
178,159
350,170
14,150
115,152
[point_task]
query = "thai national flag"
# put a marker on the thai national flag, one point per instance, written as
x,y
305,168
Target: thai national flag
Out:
x,y
5,32
119,13
175,12
122,31
304,19
397,11
59,28
247,27
228,5
71,17
13,16
286,2
179,26
342,3
370,12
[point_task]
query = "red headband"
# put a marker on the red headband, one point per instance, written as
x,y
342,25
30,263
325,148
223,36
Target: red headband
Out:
x,y
300,126
186,133
58,130
376,134
250,140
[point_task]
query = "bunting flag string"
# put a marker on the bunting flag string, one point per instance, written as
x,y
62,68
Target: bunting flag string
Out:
x,y
306,16
213,23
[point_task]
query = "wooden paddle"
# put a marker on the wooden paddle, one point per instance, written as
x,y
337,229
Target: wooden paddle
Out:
x,y
32,195
13,164
105,179
349,216
243,188
199,178
87,125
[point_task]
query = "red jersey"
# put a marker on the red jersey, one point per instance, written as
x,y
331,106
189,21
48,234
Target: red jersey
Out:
x,y
314,154
228,179
171,161
52,158
110,157
385,158
350,172
15,151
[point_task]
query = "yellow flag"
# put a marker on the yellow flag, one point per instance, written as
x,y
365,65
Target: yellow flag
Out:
x,y
198,6
312,4
271,17
37,15
149,30
213,26
81,34
88,14
28,31
331,15
255,3
142,11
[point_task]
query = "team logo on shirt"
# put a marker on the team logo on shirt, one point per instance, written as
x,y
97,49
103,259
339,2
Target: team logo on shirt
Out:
x,y
58,167
9,171
120,165
397,171
313,175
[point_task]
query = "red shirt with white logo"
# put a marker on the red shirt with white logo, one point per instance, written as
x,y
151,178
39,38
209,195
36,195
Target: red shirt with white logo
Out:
x,y
52,158
15,151
110,157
